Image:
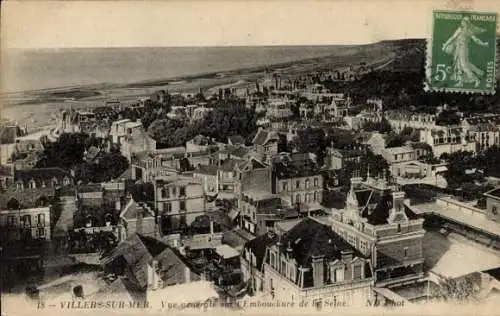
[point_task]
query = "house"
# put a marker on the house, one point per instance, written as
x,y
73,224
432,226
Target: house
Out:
x,y
399,120
398,154
253,206
162,162
493,204
6,176
377,222
448,140
232,173
179,200
265,143
136,141
311,262
252,260
42,178
199,143
236,140
485,135
297,179
417,169
336,159
137,218
208,175
149,263
24,224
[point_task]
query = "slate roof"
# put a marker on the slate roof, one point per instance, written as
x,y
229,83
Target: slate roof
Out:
x,y
236,139
137,251
295,169
263,136
377,205
40,174
495,193
132,209
207,169
310,238
259,244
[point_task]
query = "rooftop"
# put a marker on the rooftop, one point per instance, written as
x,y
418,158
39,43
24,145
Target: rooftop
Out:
x,y
226,251
310,239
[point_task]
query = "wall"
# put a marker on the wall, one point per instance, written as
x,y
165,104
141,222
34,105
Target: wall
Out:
x,y
490,203
13,231
395,250
291,192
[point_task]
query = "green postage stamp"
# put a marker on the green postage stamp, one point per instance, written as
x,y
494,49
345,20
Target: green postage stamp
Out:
x,y
461,55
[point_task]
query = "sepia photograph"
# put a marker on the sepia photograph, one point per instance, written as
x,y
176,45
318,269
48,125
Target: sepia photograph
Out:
x,y
253,157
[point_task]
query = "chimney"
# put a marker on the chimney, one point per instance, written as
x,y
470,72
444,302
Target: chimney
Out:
x,y
187,275
153,276
397,213
318,271
347,255
289,249
355,182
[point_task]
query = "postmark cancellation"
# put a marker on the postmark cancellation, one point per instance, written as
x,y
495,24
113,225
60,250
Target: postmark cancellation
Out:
x,y
461,53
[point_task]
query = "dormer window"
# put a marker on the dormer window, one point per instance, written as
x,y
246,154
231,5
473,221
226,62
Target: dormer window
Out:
x,y
32,184
66,181
19,185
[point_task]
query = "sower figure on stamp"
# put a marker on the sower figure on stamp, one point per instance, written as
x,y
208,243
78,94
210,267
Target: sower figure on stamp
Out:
x,y
458,46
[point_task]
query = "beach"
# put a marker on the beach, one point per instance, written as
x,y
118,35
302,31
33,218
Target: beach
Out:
x,y
38,107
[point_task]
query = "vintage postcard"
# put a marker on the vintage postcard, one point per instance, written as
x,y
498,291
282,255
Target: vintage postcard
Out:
x,y
250,157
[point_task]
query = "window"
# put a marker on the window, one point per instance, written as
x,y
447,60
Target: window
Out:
x,y
308,183
11,220
356,272
285,186
297,184
174,191
399,228
316,182
41,233
26,221
406,252
182,205
182,191
297,198
339,275
41,219
167,207
165,193
494,210
283,267
32,184
19,185
315,196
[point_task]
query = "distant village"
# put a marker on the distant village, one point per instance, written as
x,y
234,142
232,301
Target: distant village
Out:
x,y
282,189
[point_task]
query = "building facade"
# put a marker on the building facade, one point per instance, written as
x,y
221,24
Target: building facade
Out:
x,y
376,222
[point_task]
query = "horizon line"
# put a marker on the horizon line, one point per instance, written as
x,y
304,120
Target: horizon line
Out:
x,y
211,46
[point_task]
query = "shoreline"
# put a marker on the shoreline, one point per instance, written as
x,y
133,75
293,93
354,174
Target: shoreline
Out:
x,y
162,82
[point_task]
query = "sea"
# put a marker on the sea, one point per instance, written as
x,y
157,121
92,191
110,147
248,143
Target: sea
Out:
x,y
35,69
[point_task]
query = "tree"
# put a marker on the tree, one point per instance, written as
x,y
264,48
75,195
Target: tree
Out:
x,y
395,140
310,141
382,127
447,117
66,152
458,163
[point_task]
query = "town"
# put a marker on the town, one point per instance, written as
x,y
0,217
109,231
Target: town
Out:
x,y
340,187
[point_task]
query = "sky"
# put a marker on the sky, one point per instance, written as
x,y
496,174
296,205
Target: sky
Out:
x,y
47,24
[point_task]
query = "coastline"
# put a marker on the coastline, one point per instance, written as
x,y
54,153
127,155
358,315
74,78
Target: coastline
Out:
x,y
38,107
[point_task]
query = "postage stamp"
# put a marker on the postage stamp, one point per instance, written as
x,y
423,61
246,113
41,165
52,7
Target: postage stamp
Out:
x,y
461,54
